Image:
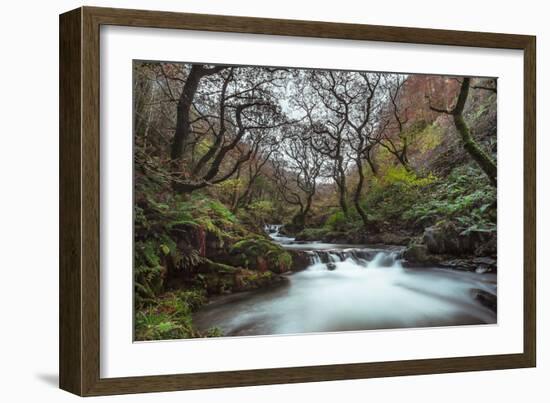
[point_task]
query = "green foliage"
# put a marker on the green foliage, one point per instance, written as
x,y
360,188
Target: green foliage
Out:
x,y
394,193
465,196
257,214
476,114
162,216
336,221
254,250
312,234
149,273
171,317
200,211
398,175
214,332
429,138
148,282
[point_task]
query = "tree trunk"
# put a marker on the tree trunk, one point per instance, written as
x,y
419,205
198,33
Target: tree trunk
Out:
x,y
480,157
341,182
183,128
357,194
183,125
235,197
299,221
484,161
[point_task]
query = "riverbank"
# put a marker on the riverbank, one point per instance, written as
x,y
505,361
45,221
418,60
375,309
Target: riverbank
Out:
x,y
353,287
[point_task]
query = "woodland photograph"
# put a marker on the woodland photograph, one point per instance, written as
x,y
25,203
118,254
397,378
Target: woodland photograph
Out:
x,y
283,200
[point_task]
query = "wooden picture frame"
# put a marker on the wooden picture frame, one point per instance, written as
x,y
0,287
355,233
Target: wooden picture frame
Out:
x,y
80,185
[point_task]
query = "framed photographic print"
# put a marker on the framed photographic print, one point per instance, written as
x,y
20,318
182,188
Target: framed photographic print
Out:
x,y
249,201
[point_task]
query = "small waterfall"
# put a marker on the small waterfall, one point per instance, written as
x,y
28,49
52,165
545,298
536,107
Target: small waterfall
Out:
x,y
314,257
273,230
385,259
362,258
334,257
347,287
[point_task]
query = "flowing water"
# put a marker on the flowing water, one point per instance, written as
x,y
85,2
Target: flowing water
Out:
x,y
347,287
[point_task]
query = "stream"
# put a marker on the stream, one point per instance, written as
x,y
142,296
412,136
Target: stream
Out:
x,y
352,287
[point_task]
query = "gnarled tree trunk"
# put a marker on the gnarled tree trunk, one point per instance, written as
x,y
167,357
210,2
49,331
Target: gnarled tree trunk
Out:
x,y
482,159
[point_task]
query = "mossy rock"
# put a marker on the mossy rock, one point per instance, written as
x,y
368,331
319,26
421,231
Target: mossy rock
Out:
x,y
250,279
447,238
259,253
219,278
418,254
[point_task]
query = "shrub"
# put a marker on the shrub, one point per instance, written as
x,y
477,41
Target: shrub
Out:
x,y
312,234
170,317
465,196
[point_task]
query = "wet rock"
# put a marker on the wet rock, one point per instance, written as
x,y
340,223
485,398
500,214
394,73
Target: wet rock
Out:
x,y
300,260
461,264
446,238
442,238
485,264
487,248
487,261
485,298
331,266
418,254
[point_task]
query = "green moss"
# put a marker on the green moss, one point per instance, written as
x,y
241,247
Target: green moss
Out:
x,y
401,176
465,196
250,279
336,221
259,253
429,138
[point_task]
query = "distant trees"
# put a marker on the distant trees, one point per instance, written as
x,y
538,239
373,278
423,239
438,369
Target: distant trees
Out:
x,y
248,175
327,125
343,110
297,169
394,136
234,129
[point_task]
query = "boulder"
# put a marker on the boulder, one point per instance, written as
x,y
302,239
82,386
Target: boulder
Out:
x,y
485,264
260,253
300,260
485,298
418,254
446,238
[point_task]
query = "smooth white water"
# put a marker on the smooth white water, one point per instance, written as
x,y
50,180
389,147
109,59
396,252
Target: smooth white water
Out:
x,y
353,289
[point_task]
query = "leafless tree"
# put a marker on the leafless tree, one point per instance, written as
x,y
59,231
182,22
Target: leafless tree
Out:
x,y
297,169
222,117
